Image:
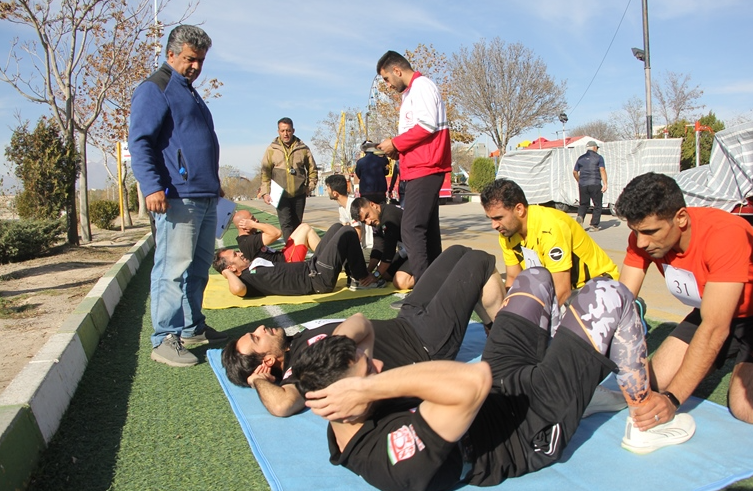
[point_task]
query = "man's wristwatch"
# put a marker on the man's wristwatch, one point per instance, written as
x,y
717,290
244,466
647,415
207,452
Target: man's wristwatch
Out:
x,y
376,274
675,402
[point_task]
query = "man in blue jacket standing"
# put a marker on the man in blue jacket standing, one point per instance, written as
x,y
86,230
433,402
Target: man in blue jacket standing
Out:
x,y
175,157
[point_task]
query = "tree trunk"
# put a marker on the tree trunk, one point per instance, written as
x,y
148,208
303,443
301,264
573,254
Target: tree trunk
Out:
x,y
127,222
83,187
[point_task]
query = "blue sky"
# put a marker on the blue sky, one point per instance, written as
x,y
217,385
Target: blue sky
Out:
x,y
303,59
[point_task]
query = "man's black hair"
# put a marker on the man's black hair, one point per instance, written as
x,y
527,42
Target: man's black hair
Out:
x,y
337,183
390,59
504,192
238,366
357,205
650,194
285,121
324,363
218,262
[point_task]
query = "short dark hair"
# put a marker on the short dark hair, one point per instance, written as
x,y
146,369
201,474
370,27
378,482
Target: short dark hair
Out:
x,y
357,205
324,363
504,192
193,36
285,121
218,262
650,194
390,59
238,366
337,183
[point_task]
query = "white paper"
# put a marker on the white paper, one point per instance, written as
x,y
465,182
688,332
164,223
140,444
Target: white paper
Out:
x,y
225,212
275,193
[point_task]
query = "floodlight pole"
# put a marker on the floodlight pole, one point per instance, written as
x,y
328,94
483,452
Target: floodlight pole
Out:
x,y
647,70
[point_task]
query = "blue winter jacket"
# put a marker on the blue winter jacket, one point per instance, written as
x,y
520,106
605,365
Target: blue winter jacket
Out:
x,y
172,141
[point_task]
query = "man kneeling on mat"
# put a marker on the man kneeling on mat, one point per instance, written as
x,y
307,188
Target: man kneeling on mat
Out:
x,y
430,326
317,274
481,423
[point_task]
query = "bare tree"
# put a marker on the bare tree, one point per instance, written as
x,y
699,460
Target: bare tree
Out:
x,y
505,89
630,123
676,99
462,156
80,50
598,128
339,137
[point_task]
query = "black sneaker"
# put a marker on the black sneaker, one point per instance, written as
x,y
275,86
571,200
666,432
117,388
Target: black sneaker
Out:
x,y
171,352
209,335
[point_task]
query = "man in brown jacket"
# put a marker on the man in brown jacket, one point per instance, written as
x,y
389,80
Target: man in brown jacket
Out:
x,y
289,163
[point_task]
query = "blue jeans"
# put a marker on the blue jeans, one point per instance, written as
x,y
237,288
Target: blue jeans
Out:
x,y
184,246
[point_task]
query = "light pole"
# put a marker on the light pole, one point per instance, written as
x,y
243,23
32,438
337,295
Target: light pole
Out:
x,y
644,56
563,120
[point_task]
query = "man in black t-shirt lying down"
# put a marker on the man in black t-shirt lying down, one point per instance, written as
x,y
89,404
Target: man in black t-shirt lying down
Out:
x,y
430,326
260,277
434,425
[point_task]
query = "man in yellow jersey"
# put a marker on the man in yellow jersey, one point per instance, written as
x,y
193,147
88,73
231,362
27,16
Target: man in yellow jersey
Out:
x,y
539,236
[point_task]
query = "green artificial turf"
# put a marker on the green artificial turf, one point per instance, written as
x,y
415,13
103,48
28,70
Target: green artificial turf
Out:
x,y
134,424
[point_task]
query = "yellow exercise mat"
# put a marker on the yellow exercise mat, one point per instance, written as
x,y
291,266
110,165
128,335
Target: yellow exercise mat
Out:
x,y
217,295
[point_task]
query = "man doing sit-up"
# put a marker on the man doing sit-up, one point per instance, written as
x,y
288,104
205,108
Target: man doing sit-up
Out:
x,y
254,237
437,424
430,326
317,274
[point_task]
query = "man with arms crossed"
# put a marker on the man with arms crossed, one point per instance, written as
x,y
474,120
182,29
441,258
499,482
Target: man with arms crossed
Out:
x,y
437,424
423,147
430,327
538,236
705,256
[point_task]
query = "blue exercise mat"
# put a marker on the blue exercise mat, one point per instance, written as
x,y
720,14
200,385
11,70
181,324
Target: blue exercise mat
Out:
x,y
292,452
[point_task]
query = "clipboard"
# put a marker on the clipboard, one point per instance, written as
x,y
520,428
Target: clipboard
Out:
x,y
225,212
275,193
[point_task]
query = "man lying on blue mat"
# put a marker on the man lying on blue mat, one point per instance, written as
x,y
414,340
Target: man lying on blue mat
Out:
x,y
260,277
430,326
434,425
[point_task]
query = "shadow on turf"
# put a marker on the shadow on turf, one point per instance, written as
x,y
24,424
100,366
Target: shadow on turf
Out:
x,y
83,453
711,382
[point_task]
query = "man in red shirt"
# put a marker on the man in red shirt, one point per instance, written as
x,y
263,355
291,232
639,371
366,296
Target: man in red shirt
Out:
x,y
705,256
423,147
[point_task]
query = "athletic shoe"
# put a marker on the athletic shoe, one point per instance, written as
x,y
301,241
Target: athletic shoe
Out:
x,y
677,431
356,285
605,401
171,352
579,220
593,228
208,336
398,304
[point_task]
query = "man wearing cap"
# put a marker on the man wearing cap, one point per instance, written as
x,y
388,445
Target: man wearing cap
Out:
x,y
371,170
591,175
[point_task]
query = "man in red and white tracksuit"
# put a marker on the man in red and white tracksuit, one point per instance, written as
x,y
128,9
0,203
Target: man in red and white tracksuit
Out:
x,y
423,147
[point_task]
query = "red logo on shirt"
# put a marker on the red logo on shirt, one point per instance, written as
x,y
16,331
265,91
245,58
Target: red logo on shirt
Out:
x,y
402,444
316,338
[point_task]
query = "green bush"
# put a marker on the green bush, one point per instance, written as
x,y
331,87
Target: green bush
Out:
x,y
482,173
102,213
26,239
133,197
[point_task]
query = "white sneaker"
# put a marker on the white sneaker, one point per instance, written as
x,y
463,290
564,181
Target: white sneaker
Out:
x,y
605,401
677,431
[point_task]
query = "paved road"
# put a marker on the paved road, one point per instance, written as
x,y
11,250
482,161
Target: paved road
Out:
x,y
466,224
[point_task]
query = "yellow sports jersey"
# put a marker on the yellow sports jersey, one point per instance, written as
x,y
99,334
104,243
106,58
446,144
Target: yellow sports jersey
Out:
x,y
558,243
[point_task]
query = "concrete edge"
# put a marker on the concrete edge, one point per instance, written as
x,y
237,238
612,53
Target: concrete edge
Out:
x,y
32,406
